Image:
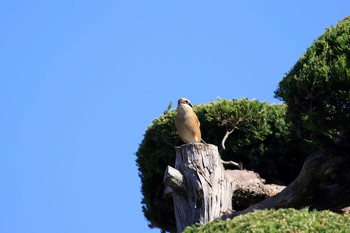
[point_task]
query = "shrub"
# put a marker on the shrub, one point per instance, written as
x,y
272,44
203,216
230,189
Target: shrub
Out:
x,y
317,89
263,142
283,220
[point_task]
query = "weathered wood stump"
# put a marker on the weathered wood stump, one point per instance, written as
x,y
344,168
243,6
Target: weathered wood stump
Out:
x,y
201,191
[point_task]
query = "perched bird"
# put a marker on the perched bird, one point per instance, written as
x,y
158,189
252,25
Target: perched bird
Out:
x,y
186,122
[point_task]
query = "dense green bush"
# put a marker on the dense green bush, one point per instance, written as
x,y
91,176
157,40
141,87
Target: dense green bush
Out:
x,y
263,142
283,220
317,89
317,93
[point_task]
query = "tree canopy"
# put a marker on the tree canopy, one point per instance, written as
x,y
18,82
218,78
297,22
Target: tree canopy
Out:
x,y
270,139
316,89
263,142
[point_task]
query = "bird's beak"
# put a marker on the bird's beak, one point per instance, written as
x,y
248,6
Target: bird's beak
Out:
x,y
190,104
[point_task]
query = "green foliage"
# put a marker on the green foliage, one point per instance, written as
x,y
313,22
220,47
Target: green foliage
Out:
x,y
283,220
154,154
317,88
263,141
317,93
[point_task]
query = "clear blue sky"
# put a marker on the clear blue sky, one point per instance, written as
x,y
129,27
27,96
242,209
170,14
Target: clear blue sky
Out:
x,y
80,81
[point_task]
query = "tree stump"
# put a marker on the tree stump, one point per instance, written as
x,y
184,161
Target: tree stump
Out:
x,y
200,189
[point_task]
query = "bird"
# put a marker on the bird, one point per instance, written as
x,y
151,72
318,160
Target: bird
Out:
x,y
186,122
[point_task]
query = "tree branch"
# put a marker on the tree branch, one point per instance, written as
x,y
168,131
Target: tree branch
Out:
x,y
232,163
175,180
320,185
235,126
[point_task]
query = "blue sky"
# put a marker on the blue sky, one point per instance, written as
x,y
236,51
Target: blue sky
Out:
x,y
80,81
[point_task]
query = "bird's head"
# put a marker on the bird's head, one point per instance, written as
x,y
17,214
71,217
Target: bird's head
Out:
x,y
184,103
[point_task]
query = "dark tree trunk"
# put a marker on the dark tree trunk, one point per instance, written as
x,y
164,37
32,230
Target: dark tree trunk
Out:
x,y
323,183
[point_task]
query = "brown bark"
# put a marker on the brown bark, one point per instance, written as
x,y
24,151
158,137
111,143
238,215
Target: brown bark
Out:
x,y
249,188
323,183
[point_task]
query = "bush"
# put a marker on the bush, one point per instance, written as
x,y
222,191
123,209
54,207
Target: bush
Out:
x,y
317,93
283,220
317,89
263,142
